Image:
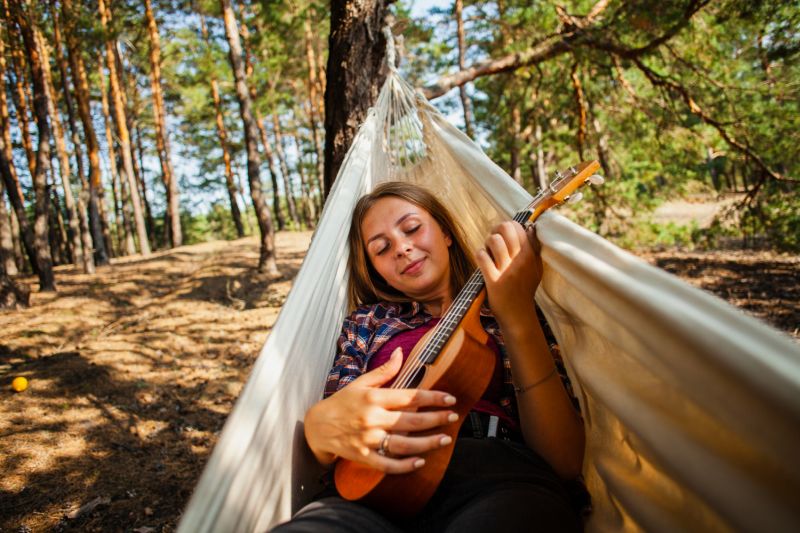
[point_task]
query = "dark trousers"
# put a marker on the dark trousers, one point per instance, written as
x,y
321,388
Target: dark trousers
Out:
x,y
490,485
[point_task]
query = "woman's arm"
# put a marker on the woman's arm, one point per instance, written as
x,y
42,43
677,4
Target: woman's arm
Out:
x,y
353,422
550,425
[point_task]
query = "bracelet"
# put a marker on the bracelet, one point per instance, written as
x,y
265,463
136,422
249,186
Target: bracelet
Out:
x,y
522,390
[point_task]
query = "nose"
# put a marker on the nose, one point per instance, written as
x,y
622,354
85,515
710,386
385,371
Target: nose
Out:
x,y
402,247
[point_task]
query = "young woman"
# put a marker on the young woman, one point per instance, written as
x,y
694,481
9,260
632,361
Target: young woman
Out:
x,y
408,262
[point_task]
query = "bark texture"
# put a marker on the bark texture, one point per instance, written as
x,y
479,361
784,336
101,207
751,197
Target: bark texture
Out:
x,y
355,73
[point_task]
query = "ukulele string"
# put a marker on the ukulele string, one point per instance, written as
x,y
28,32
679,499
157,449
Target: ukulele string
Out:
x,y
453,316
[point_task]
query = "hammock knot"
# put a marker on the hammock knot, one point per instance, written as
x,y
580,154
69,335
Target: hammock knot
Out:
x,y
391,52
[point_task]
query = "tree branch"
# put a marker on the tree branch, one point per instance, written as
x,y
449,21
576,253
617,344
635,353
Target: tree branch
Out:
x,y
576,31
658,80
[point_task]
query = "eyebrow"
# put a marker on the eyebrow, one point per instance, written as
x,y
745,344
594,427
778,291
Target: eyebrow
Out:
x,y
397,223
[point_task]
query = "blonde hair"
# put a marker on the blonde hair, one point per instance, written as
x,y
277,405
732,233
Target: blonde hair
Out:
x,y
366,286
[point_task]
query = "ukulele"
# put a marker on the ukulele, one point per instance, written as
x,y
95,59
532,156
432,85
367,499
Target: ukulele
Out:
x,y
451,357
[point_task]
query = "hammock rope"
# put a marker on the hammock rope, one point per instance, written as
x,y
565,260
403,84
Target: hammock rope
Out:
x,y
691,407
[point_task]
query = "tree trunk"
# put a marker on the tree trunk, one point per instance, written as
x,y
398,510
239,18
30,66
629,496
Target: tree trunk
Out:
x,y
317,65
266,261
122,131
128,84
16,201
541,171
315,185
126,208
43,258
95,186
162,140
313,100
74,233
287,185
12,295
7,240
19,96
515,134
603,152
83,227
248,65
309,208
58,232
222,134
124,227
580,102
466,103
138,170
273,173
356,50
16,236
226,159
7,252
121,230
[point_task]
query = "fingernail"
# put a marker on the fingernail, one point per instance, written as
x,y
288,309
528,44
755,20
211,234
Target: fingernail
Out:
x,y
452,417
444,441
419,463
449,400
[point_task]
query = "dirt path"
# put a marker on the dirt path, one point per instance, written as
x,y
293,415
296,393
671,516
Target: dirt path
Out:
x,y
133,371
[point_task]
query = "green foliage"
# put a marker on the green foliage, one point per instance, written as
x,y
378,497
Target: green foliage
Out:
x,y
713,107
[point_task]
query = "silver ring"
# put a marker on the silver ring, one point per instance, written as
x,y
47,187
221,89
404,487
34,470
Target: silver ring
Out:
x,y
383,449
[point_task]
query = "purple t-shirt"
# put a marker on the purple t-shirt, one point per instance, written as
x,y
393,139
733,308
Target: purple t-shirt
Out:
x,y
489,402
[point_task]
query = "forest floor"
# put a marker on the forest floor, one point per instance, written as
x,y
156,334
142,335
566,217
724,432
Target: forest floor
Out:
x,y
133,371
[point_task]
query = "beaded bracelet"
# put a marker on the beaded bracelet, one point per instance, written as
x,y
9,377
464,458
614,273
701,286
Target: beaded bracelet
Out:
x,y
522,390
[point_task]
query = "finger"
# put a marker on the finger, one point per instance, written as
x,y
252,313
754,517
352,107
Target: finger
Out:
x,y
409,398
391,465
403,445
415,421
513,236
497,246
384,373
486,264
530,232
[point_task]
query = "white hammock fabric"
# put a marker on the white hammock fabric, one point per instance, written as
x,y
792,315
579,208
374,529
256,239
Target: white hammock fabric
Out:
x,y
692,409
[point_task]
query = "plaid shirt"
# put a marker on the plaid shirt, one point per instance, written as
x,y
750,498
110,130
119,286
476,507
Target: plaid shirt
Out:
x,y
368,328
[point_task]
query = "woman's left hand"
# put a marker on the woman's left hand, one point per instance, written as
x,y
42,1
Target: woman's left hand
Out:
x,y
512,269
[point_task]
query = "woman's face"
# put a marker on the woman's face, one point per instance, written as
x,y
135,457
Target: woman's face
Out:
x,y
408,248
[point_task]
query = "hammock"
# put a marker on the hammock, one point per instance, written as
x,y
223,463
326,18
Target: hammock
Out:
x,y
692,409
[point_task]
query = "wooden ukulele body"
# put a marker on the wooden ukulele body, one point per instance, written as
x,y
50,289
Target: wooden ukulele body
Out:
x,y
464,368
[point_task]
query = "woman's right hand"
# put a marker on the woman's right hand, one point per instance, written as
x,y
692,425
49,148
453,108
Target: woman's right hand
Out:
x,y
355,421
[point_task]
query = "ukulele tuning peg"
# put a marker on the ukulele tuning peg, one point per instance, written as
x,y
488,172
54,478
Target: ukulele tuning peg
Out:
x,y
575,198
596,179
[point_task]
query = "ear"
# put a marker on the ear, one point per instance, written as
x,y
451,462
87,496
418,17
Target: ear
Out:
x,y
448,240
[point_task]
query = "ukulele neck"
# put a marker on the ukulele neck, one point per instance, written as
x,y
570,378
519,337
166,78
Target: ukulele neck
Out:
x,y
462,303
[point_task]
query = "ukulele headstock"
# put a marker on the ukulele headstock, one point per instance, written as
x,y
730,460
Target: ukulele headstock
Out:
x,y
564,188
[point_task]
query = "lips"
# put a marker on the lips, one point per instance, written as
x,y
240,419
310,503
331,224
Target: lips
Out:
x,y
414,267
